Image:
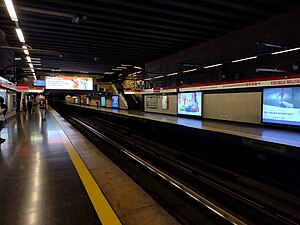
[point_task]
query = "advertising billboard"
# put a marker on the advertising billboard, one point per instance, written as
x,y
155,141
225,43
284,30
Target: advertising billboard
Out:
x,y
281,105
69,83
189,103
39,83
151,101
115,101
103,101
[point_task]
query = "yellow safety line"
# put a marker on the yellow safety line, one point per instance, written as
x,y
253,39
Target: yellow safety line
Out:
x,y
103,209
101,205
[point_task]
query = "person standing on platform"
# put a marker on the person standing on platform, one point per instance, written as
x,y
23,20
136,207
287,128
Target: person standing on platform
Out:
x,y
29,105
23,105
3,111
42,105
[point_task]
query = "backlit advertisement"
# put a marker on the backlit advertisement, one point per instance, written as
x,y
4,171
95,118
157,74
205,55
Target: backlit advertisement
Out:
x,y
115,101
189,103
69,83
103,101
39,83
281,105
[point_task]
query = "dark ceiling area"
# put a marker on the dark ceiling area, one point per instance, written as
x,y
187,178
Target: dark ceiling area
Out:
x,y
98,36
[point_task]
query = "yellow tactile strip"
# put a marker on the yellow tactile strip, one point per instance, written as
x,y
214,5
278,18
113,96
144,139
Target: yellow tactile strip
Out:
x,y
131,204
102,207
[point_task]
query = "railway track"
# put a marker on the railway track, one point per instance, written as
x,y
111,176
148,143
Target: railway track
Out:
x,y
204,189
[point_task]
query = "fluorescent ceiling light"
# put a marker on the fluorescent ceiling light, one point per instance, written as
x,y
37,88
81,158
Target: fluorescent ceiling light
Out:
x,y
17,59
121,67
172,74
158,77
25,50
20,35
28,59
270,70
284,51
30,65
191,70
116,69
11,10
244,59
137,67
32,70
219,64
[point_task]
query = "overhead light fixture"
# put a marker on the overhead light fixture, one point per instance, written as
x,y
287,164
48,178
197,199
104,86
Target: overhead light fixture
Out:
x,y
284,51
116,69
189,65
244,59
191,70
25,50
30,65
272,45
11,10
215,65
20,35
137,67
28,59
121,67
18,59
171,74
270,70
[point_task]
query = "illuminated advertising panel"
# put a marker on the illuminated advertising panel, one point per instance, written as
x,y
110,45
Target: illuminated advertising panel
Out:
x,y
69,83
281,105
115,101
39,83
189,103
103,101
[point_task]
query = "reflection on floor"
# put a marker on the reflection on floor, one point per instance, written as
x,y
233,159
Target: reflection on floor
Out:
x,y
38,182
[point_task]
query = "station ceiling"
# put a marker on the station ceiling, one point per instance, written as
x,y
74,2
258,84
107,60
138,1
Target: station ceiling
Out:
x,y
98,35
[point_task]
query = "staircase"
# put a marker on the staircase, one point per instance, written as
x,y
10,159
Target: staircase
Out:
x,y
133,102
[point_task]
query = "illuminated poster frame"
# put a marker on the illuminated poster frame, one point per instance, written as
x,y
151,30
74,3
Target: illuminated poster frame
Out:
x,y
151,101
69,83
103,101
281,106
115,101
189,103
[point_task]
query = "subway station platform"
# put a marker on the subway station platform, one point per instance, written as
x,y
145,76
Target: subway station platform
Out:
x,y
273,139
50,174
